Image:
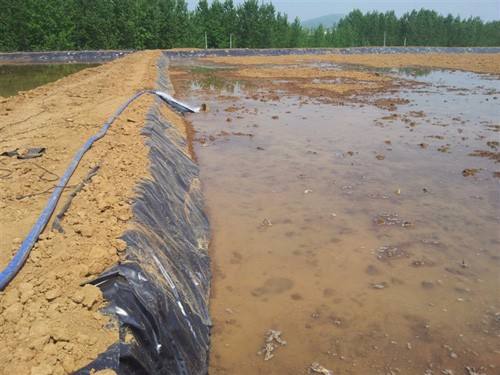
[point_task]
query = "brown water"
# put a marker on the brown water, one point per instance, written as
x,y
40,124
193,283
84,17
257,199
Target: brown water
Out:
x,y
371,253
15,78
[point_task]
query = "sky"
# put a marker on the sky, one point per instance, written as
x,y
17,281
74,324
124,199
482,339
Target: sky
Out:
x,y
488,10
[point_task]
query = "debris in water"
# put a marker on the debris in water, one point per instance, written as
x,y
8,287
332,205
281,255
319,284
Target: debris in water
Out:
x,y
391,219
318,369
308,191
470,172
265,223
272,341
381,285
390,252
473,371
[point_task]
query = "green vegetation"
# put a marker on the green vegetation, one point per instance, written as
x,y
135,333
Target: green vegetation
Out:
x,y
35,25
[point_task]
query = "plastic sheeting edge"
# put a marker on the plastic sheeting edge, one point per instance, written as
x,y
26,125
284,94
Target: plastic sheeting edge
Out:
x,y
159,294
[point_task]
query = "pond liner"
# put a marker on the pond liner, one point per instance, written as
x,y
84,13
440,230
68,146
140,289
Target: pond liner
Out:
x,y
62,57
322,51
159,293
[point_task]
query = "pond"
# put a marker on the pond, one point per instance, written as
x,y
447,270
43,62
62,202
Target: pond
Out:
x,y
365,237
15,78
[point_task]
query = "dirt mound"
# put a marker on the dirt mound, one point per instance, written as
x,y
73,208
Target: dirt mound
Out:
x,y
49,323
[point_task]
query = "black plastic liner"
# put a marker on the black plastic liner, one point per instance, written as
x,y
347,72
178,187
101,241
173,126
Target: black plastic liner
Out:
x,y
325,51
52,57
159,295
55,57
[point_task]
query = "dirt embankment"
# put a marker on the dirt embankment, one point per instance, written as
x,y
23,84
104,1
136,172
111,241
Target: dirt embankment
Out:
x,y
479,63
49,323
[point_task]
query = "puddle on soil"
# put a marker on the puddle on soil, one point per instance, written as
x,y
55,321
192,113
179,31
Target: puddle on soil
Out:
x,y
15,78
348,229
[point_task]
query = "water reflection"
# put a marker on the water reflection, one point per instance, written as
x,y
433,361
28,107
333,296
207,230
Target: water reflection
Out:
x,y
15,78
353,231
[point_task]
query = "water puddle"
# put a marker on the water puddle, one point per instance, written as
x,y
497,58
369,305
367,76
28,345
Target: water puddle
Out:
x,y
351,237
15,78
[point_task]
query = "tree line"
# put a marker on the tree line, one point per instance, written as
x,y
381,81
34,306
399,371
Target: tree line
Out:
x,y
38,25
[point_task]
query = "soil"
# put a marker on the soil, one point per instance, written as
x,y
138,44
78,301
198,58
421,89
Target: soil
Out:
x,y
302,72
49,322
479,63
325,84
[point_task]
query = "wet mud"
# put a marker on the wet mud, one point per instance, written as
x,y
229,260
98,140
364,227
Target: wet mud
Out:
x,y
345,223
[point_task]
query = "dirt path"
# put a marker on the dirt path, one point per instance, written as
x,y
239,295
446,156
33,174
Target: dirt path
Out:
x,y
479,63
49,323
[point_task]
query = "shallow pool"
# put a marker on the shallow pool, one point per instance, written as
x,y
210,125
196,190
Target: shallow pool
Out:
x,y
368,237
15,78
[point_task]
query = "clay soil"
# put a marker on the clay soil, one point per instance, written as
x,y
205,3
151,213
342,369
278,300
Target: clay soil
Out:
x,y
49,322
479,63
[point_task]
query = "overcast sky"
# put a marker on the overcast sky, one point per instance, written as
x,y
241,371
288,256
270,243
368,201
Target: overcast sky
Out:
x,y
486,9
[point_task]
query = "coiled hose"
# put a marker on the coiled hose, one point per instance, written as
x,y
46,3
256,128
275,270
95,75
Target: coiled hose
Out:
x,y
17,262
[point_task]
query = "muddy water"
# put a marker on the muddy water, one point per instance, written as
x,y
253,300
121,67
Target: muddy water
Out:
x,y
352,229
15,78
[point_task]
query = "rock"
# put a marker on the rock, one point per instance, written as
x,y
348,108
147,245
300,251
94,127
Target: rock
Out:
x,y
39,329
318,369
38,343
60,333
84,229
91,295
120,245
13,312
105,372
52,294
26,290
42,369
10,297
77,297
99,252
68,364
